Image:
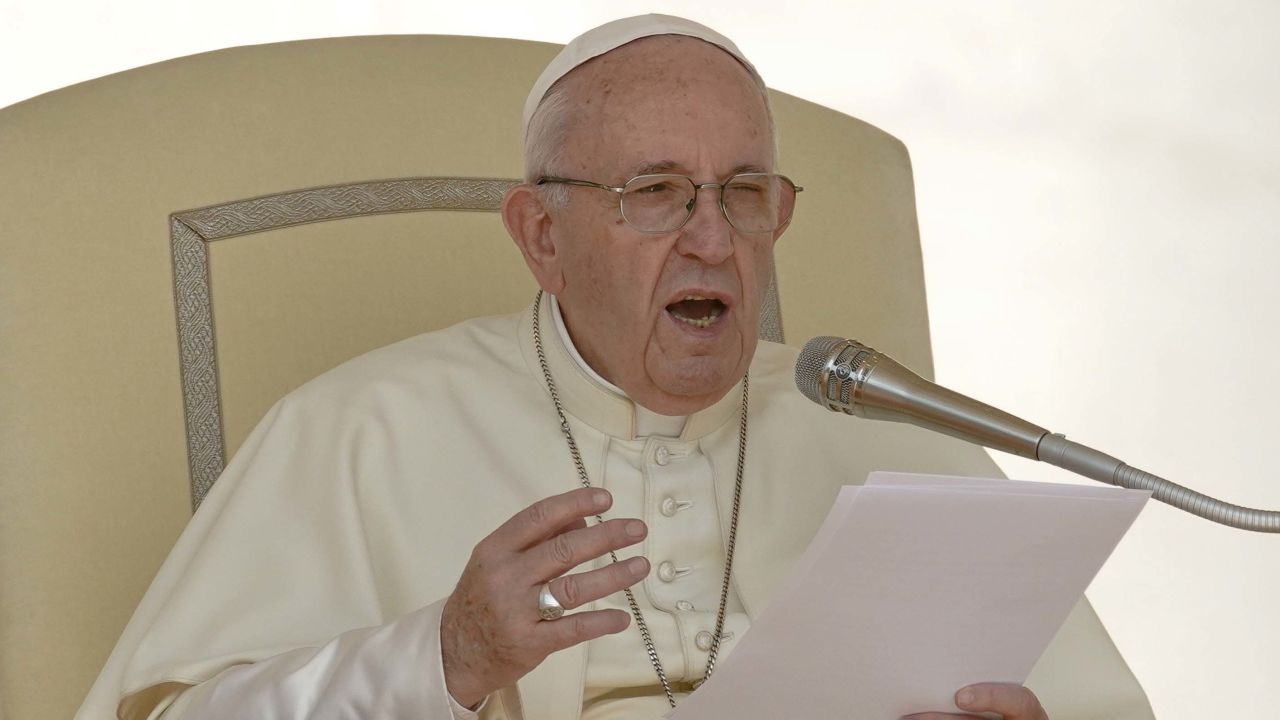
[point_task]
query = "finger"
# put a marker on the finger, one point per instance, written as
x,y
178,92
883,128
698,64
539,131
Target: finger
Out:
x,y
574,524
1013,702
581,627
544,518
577,590
569,550
941,716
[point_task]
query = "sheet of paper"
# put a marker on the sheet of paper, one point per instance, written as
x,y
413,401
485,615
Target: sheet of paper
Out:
x,y
915,586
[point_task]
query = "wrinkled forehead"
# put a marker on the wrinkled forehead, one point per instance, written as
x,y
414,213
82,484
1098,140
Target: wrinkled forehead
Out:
x,y
667,99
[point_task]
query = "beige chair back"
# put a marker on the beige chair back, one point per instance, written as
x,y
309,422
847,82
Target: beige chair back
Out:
x,y
186,242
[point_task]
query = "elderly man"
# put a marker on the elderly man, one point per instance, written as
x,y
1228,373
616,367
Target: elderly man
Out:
x,y
347,563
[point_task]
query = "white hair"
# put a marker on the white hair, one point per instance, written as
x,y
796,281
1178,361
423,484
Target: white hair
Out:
x,y
545,140
552,122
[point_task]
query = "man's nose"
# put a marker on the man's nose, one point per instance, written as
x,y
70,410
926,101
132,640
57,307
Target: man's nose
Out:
x,y
707,235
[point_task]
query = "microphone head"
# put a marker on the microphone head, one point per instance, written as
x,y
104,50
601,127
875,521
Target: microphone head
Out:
x,y
812,363
846,376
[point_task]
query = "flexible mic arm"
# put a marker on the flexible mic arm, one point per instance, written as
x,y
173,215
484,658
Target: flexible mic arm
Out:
x,y
847,376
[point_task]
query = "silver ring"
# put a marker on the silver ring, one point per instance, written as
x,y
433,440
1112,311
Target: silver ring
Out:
x,y
548,606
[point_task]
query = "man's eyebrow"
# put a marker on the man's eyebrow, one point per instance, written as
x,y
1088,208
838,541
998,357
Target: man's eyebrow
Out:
x,y
663,166
666,166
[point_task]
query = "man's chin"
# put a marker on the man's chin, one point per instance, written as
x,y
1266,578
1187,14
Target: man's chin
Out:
x,y
691,386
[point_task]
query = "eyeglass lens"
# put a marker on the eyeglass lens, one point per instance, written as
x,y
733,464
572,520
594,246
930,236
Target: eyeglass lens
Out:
x,y
753,202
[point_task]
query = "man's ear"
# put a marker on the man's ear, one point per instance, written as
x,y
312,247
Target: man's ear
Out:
x,y
529,225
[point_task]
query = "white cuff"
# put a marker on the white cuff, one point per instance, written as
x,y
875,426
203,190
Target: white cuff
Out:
x,y
461,713
391,670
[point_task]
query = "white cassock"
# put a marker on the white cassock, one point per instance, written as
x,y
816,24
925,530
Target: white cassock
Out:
x,y
311,581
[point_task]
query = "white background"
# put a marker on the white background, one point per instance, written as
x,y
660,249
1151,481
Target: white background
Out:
x,y
1098,188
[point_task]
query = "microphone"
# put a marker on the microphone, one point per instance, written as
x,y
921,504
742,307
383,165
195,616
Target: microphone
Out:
x,y
846,376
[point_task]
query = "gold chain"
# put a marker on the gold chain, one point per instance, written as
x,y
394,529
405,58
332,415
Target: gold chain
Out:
x,y
649,647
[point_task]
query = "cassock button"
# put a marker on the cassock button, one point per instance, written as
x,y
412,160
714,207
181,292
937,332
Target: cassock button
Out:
x,y
684,605
669,506
663,456
703,641
667,571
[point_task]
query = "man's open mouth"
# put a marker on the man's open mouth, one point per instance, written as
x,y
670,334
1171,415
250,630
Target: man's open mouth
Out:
x,y
696,310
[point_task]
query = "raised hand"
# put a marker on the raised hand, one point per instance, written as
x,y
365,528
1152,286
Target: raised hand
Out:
x,y
490,631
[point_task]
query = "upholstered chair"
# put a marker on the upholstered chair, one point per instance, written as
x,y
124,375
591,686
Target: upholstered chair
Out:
x,y
184,243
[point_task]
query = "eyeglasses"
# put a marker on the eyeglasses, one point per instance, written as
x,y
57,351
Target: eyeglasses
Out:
x,y
751,202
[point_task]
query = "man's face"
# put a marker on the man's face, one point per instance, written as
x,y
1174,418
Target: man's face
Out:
x,y
663,105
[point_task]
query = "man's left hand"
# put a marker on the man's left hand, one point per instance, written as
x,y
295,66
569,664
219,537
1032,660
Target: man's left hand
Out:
x,y
1011,702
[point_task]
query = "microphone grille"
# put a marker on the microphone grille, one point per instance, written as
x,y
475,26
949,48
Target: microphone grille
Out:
x,y
813,358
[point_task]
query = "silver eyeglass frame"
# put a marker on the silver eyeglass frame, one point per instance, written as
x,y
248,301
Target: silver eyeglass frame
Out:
x,y
545,179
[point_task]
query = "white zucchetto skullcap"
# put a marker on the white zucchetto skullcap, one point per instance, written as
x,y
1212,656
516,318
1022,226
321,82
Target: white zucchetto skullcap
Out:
x,y
600,40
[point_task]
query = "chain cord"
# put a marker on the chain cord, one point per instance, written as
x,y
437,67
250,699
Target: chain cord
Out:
x,y
650,649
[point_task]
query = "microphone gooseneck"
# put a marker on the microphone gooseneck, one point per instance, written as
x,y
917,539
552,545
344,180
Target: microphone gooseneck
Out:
x,y
846,376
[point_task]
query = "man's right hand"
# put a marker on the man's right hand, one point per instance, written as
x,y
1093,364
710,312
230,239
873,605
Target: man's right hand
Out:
x,y
490,631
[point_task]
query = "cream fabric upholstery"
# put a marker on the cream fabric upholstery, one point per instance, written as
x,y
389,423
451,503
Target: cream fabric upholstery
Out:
x,y
94,482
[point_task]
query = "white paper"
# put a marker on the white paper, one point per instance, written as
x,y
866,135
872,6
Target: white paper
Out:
x,y
915,586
